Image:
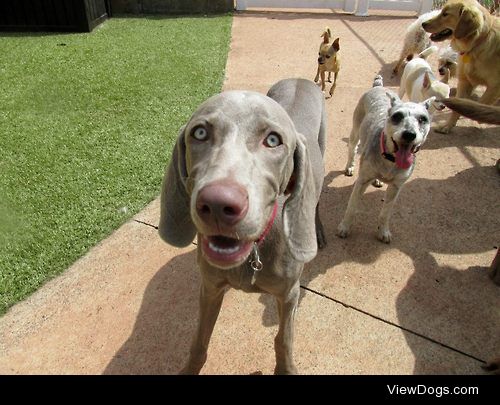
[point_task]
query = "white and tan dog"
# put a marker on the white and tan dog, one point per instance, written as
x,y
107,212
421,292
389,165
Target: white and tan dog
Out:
x,y
389,132
447,63
419,83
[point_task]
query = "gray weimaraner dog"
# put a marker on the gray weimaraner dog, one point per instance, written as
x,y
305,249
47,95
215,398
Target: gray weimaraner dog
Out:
x,y
245,176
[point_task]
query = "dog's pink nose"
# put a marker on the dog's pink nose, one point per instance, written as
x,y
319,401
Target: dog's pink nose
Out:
x,y
222,202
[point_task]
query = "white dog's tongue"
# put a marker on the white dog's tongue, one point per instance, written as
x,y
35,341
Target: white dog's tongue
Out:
x,y
404,157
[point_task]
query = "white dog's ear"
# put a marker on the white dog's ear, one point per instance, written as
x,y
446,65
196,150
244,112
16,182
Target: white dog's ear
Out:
x,y
427,103
427,81
395,100
300,207
176,226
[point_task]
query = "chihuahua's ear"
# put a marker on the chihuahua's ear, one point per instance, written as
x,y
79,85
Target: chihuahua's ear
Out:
x,y
427,103
395,100
427,81
469,22
336,45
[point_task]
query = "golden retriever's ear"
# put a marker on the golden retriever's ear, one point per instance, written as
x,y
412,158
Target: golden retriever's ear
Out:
x,y
470,21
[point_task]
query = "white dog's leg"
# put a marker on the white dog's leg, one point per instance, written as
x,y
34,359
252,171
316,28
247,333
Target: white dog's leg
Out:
x,y
384,234
351,152
210,303
353,205
464,90
283,343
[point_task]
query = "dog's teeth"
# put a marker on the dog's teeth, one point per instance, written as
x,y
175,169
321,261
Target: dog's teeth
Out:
x,y
224,251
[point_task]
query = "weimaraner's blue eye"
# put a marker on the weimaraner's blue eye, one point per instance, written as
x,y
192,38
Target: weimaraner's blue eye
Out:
x,y
272,140
200,134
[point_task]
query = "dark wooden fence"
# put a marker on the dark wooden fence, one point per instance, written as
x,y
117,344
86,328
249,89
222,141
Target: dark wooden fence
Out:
x,y
172,6
52,15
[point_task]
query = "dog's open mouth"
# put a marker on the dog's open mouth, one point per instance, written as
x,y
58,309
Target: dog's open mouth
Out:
x,y
442,35
404,154
225,252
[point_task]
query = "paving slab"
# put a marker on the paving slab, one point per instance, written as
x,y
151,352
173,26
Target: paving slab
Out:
x,y
422,305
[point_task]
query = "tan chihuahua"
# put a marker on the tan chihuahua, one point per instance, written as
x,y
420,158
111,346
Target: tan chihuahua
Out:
x,y
328,60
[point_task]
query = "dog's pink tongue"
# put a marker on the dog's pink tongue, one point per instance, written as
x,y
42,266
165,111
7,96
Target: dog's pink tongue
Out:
x,y
404,157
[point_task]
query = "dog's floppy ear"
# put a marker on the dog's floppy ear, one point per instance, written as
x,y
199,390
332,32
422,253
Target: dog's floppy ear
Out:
x,y
300,207
176,226
470,20
427,103
336,45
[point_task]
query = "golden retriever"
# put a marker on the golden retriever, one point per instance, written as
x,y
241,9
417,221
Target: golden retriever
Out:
x,y
475,35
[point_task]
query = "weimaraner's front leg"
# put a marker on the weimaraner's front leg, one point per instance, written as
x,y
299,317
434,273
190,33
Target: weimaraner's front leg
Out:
x,y
210,303
283,343
384,234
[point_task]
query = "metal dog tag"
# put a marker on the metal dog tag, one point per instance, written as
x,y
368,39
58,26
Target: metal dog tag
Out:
x,y
255,262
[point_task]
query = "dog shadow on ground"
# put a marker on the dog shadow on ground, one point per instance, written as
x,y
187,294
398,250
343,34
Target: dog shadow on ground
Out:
x,y
160,340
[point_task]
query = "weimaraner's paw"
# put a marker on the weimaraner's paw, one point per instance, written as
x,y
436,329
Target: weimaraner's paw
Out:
x,y
384,235
349,171
377,183
342,231
188,371
290,370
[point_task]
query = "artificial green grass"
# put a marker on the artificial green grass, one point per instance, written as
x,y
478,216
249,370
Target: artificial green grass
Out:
x,y
87,124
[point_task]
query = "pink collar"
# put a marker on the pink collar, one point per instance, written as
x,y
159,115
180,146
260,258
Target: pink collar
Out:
x,y
269,224
383,150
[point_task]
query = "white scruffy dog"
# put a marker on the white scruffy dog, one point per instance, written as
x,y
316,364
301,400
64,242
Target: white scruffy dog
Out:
x,y
390,132
447,63
416,40
419,83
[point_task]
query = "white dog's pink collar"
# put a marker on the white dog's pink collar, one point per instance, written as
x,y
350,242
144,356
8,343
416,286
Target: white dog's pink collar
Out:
x,y
383,150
